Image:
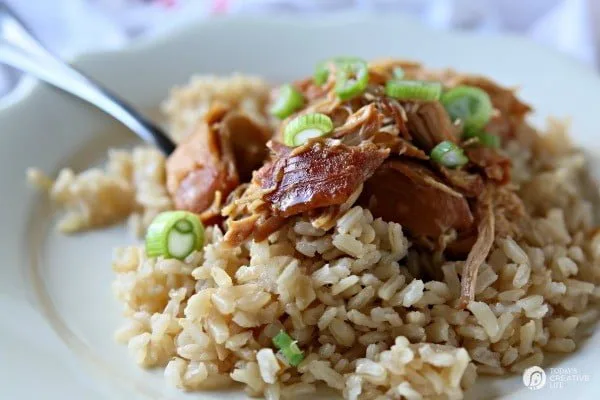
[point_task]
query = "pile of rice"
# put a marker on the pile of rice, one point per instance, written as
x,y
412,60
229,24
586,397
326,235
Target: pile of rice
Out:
x,y
352,296
131,186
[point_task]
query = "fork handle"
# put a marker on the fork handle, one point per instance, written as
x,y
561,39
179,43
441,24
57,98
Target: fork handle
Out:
x,y
21,50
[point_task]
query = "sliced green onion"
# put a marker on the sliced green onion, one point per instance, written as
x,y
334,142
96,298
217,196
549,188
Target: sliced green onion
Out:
x,y
469,104
174,234
484,138
352,77
322,69
489,140
413,90
289,348
299,130
321,73
398,73
449,155
289,100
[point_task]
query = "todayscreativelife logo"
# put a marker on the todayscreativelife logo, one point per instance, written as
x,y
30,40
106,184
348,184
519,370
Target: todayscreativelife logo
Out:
x,y
534,378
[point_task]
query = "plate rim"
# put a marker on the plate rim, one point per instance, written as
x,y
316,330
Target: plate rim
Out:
x,y
31,87
27,85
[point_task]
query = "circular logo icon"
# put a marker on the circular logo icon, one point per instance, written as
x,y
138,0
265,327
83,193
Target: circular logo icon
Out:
x,y
534,378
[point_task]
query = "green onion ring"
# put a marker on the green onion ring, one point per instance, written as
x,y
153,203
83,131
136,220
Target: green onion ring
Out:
x,y
352,75
351,79
299,130
321,73
485,139
449,155
469,104
289,348
288,102
174,234
413,90
398,73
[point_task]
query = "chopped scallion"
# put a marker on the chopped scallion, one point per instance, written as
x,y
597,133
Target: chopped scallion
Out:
x,y
321,73
489,140
299,130
289,348
484,138
449,155
174,234
413,90
289,100
352,77
398,73
469,104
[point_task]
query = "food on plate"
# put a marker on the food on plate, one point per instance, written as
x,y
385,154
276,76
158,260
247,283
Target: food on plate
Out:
x,y
384,229
215,158
174,234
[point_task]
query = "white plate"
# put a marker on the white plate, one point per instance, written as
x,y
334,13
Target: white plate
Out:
x,y
51,345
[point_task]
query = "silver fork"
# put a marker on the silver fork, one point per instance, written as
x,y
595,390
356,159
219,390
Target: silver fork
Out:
x,y
21,50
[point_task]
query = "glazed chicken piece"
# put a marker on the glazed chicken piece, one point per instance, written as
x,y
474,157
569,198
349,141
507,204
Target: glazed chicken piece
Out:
x,y
223,151
492,164
407,192
318,174
318,177
419,201
200,166
467,183
429,124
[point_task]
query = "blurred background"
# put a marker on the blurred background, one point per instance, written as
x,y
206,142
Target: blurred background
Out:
x,y
68,27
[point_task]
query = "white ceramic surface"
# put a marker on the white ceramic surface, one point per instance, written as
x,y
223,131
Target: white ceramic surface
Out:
x,y
57,313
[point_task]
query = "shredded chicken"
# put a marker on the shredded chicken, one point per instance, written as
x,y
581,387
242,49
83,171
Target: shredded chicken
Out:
x,y
399,146
396,117
469,184
509,216
494,165
321,177
248,141
212,215
376,155
407,192
384,67
429,124
360,125
310,90
200,166
326,218
509,211
224,150
480,250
